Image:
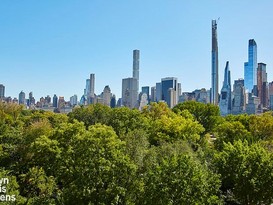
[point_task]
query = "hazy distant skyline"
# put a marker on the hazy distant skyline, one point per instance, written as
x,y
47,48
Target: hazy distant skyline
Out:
x,y
51,47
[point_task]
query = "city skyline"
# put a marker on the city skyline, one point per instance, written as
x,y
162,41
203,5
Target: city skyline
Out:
x,y
51,48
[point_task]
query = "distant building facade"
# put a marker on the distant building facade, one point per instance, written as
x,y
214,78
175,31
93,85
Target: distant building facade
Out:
x,y
2,91
262,85
22,98
106,95
169,91
239,98
225,98
129,93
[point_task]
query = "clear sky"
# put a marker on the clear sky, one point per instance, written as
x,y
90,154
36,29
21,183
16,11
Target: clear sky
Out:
x,y
51,47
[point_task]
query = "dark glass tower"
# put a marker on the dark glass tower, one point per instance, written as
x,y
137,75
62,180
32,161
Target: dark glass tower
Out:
x,y
55,101
22,98
214,65
167,86
262,84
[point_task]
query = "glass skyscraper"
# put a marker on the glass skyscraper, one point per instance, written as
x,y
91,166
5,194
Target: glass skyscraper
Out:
x,y
169,90
146,89
22,98
250,68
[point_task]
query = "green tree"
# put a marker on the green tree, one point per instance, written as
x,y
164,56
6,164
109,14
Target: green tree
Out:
x,y
262,126
231,132
137,146
99,170
178,179
166,125
175,128
207,115
90,115
246,173
124,120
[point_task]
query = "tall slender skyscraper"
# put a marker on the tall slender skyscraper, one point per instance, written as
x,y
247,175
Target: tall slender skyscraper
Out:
x,y
92,85
250,70
214,65
136,67
87,88
262,84
225,99
2,91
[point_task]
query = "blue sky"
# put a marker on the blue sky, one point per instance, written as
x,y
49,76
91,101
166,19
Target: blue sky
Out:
x,y
51,47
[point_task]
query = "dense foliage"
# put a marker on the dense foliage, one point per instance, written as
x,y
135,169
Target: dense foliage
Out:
x,y
161,156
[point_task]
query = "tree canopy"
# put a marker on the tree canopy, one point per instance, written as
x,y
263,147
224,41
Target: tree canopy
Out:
x,y
101,155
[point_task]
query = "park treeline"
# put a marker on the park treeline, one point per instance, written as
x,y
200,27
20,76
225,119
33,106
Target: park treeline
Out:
x,y
158,156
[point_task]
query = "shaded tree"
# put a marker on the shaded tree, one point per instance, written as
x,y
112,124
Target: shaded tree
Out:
x,y
246,173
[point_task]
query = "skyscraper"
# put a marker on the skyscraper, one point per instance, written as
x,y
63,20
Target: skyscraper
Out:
x,y
239,99
262,84
158,91
225,99
87,88
129,92
31,99
153,94
250,67
106,95
73,100
22,98
113,101
169,90
2,91
55,101
92,85
214,65
179,89
270,95
136,67
146,89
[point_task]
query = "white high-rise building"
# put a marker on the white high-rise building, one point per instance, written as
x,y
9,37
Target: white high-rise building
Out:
x,y
214,65
136,67
106,95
